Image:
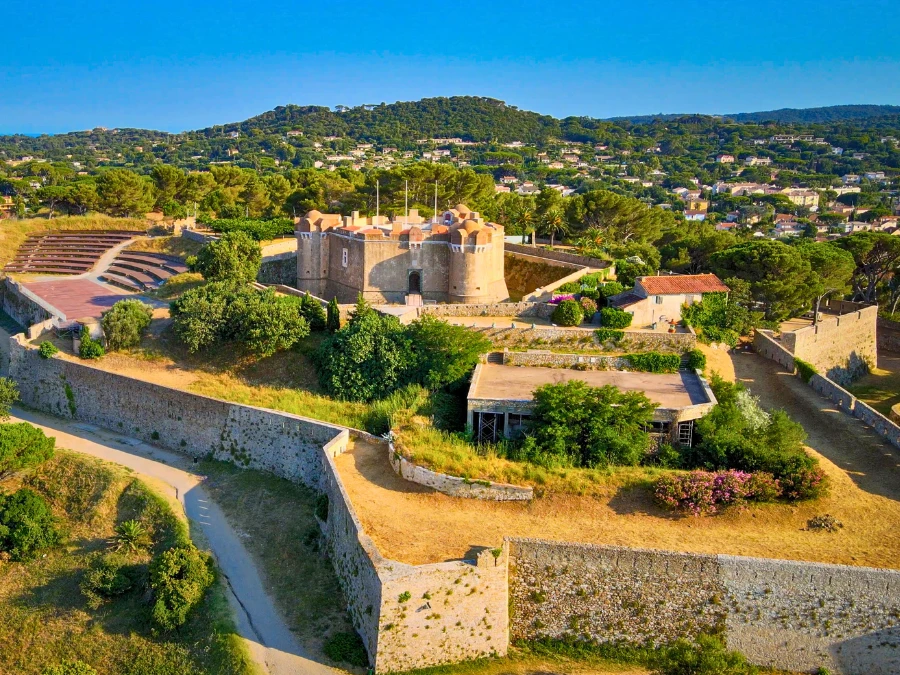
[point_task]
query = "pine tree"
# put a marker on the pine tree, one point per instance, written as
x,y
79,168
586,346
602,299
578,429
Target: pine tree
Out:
x,y
333,320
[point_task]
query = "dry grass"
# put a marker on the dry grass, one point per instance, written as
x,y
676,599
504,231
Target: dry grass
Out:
x,y
881,387
14,232
437,527
177,284
275,520
43,616
179,247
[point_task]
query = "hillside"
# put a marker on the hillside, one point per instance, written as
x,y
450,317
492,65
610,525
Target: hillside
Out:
x,y
834,113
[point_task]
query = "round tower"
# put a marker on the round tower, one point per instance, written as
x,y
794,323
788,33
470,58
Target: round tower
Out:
x,y
470,263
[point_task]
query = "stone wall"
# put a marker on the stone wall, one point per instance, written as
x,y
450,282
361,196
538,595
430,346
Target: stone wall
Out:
x,y
781,614
843,347
24,307
764,343
454,485
279,269
534,357
523,310
560,256
546,293
888,335
523,335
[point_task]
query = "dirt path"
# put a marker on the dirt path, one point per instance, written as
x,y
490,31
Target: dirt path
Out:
x,y
416,525
872,463
270,641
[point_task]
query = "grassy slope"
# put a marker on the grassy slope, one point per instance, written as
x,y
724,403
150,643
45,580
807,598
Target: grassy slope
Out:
x,y
174,246
43,616
14,232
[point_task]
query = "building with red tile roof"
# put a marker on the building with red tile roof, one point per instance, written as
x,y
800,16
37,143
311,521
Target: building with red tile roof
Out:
x,y
659,299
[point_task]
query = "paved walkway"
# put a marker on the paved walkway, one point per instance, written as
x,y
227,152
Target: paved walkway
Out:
x,y
271,643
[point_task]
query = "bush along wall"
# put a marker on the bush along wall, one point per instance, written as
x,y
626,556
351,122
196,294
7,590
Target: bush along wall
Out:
x,y
655,362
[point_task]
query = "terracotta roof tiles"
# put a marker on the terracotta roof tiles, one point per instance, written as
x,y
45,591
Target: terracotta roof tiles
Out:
x,y
683,283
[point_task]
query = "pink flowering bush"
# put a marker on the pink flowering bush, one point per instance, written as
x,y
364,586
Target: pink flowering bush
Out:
x,y
803,483
708,492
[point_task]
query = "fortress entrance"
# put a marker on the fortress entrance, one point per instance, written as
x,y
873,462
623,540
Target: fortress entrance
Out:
x,y
414,282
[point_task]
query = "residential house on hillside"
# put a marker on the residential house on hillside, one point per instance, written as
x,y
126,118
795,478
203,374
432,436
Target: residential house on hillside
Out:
x,y
695,214
725,159
802,197
757,161
660,298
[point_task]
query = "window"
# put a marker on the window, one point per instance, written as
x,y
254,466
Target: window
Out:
x,y
659,299
344,257
516,423
659,428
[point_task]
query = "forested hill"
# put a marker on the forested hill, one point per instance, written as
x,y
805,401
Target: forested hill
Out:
x,y
834,113
471,118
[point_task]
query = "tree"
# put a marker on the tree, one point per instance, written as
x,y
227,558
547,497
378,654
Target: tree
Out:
x,y
26,524
199,315
573,424
9,394
553,222
833,267
688,248
719,318
125,322
169,182
23,446
442,354
265,322
333,320
313,313
234,257
121,192
619,219
365,360
778,275
876,254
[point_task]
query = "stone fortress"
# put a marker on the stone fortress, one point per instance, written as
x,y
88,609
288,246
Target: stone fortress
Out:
x,y
455,257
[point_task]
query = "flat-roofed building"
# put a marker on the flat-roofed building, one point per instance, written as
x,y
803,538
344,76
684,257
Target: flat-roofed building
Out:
x,y
501,397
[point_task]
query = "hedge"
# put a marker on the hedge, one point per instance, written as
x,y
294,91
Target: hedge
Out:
x,y
696,360
609,334
257,228
611,317
805,370
568,313
655,362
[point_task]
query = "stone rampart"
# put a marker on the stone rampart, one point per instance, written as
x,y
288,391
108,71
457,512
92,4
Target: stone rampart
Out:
x,y
555,360
888,335
540,310
25,308
280,268
560,256
782,614
833,392
454,485
764,343
843,347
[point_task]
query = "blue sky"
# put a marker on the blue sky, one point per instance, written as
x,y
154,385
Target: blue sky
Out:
x,y
70,65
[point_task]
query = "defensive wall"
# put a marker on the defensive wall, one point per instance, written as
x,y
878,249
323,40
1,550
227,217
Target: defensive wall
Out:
x,y
791,615
782,614
280,268
400,626
559,256
25,307
766,345
843,346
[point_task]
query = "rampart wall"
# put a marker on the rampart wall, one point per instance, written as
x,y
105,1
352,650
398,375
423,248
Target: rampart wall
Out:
x,y
280,268
24,307
764,343
783,614
842,346
561,256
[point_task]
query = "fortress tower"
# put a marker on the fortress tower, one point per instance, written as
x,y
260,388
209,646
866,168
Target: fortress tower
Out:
x,y
457,257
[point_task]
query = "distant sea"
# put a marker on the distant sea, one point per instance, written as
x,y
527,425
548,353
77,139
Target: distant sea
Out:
x,y
18,133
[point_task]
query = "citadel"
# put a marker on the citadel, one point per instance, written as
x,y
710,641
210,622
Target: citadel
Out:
x,y
455,257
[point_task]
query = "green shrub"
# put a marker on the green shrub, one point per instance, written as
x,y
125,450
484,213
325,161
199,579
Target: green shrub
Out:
x,y
707,656
108,577
69,668
236,257
47,349
9,394
347,648
612,317
719,317
26,524
696,360
333,318
257,228
805,370
125,322
568,313
321,509
131,536
609,335
569,287
589,307
590,292
608,289
574,424
90,348
655,362
313,312
179,578
23,446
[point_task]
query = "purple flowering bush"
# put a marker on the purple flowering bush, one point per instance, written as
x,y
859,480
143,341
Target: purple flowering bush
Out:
x,y
708,492
560,298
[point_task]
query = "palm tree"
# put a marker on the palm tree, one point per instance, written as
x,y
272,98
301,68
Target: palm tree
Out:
x,y
554,222
524,217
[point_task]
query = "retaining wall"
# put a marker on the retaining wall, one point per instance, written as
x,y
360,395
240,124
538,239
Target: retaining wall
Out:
x,y
499,309
25,308
888,335
571,258
782,614
454,485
